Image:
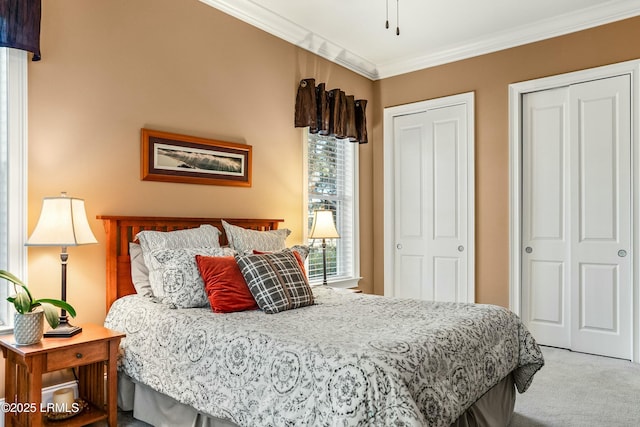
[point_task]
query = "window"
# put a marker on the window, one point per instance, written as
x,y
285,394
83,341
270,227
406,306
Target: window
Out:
x,y
332,171
13,172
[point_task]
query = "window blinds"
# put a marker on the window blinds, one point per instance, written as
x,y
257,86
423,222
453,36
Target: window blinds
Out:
x,y
331,186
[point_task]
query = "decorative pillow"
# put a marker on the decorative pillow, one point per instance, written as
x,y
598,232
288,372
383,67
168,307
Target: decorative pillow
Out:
x,y
139,271
224,284
276,281
205,236
244,241
175,278
301,253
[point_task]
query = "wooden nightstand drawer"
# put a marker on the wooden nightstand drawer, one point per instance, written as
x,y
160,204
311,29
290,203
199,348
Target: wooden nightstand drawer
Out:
x,y
78,355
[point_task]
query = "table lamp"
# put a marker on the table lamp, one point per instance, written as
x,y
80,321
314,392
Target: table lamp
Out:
x,y
63,222
323,228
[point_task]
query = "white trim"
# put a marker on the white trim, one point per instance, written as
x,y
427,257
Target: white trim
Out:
x,y
516,91
390,113
18,154
339,282
283,28
273,23
355,262
17,168
603,13
348,283
305,185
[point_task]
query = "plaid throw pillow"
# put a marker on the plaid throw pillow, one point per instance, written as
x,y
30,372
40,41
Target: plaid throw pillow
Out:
x,y
275,281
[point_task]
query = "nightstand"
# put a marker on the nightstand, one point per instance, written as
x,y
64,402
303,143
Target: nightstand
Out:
x,y
93,351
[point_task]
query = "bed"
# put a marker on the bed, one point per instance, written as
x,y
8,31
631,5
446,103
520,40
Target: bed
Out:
x,y
348,359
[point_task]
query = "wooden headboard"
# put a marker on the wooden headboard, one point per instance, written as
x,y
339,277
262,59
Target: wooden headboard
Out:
x,y
122,229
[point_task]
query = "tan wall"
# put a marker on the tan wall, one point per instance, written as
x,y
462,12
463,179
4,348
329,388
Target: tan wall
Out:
x,y
112,67
489,76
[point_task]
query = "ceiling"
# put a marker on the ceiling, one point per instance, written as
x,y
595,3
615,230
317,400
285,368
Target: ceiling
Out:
x,y
352,33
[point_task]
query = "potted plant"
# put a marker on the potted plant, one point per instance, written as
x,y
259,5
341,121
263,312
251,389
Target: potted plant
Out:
x,y
28,320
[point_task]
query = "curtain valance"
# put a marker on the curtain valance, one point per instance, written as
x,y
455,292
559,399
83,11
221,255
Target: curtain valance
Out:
x,y
20,25
330,112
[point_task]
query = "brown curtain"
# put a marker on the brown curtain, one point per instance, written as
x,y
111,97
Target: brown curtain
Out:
x,y
330,112
361,121
20,25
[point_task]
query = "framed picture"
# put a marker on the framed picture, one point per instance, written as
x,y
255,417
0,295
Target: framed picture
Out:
x,y
171,157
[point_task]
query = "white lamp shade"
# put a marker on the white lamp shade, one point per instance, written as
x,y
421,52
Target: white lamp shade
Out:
x,y
323,226
62,222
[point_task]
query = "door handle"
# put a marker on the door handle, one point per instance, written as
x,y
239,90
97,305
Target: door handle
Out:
x,y
460,248
528,249
399,246
622,253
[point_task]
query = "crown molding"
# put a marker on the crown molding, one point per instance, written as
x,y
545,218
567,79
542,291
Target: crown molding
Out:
x,y
281,27
540,30
293,33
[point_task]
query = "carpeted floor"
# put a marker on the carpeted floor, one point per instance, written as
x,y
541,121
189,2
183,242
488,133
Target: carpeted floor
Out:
x,y
581,390
571,390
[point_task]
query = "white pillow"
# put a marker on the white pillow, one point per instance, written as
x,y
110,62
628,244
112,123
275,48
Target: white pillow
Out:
x,y
205,236
139,271
244,240
174,276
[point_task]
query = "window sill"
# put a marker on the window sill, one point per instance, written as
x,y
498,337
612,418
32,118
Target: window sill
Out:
x,y
344,282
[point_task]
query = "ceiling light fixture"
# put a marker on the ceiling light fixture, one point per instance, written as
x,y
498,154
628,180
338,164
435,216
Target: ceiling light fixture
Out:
x,y
386,25
397,17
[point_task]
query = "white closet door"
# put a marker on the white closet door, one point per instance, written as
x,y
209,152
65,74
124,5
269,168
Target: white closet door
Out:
x,y
576,284
412,237
546,271
431,204
601,217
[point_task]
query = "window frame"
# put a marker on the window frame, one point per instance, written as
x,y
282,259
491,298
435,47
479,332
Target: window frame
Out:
x,y
342,281
14,85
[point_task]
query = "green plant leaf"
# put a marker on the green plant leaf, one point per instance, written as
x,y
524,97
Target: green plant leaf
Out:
x,y
10,277
51,314
22,302
13,279
58,303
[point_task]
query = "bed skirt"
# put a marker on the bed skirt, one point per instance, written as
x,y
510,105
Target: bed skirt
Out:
x,y
494,408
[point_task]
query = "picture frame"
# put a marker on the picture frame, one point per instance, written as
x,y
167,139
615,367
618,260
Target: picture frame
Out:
x,y
170,157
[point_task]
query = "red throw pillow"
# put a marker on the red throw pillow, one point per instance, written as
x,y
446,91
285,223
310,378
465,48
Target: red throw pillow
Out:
x,y
224,284
296,254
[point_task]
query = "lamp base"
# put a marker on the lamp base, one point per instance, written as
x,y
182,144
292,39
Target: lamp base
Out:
x,y
64,330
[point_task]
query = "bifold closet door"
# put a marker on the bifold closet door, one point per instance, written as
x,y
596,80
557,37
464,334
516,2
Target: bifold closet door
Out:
x,y
546,270
577,278
431,213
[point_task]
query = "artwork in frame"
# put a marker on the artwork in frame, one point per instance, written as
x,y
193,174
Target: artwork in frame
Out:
x,y
171,157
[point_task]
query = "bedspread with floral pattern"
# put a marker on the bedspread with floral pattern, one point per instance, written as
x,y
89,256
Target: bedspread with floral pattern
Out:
x,y
348,360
